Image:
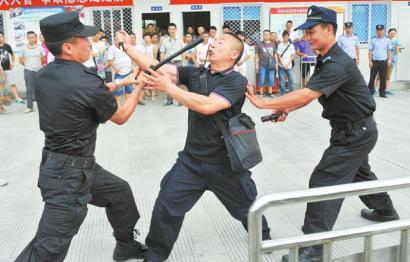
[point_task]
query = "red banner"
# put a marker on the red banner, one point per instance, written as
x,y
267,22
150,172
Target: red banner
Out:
x,y
9,4
190,2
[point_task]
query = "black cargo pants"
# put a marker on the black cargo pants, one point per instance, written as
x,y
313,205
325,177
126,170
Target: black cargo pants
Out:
x,y
66,191
346,160
182,187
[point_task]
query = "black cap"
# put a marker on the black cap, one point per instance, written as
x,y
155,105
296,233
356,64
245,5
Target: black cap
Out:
x,y
317,15
348,24
379,27
62,26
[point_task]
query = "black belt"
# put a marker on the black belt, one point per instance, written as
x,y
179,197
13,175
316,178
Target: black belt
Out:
x,y
71,161
345,126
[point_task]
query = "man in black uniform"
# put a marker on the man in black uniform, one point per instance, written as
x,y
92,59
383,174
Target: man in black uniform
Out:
x,y
72,102
203,164
349,106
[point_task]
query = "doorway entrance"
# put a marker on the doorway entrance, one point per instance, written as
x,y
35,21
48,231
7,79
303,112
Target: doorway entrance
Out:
x,y
158,19
196,19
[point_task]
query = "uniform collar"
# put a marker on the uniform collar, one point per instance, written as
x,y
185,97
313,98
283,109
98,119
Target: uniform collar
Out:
x,y
71,63
334,50
65,61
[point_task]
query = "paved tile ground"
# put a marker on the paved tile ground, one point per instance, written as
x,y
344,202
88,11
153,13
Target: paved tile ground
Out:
x,y
144,149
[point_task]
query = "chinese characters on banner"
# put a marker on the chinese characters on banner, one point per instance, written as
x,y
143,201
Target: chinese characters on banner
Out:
x,y
279,16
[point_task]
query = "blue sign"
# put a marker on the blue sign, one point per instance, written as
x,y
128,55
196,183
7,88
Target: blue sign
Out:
x,y
156,8
196,7
408,3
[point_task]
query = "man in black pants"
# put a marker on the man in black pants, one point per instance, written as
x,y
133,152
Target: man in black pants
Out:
x,y
380,58
72,102
349,106
204,163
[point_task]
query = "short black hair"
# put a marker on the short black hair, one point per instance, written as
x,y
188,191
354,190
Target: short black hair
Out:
x,y
2,33
172,24
147,34
132,33
188,34
266,30
56,48
334,26
31,33
212,28
285,33
391,29
205,32
240,33
289,21
150,24
226,26
240,51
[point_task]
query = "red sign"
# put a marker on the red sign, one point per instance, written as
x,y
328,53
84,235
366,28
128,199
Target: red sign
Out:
x,y
288,10
9,4
190,2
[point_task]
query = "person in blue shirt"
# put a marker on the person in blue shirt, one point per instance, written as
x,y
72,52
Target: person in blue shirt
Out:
x,y
349,43
307,56
379,60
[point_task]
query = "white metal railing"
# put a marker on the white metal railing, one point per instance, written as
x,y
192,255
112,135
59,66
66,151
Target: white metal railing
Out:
x,y
257,246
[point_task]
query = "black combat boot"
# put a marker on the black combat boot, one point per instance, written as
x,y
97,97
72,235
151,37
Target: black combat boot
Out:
x,y
380,215
128,248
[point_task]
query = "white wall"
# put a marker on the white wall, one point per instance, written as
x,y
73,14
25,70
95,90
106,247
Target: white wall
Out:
x,y
175,11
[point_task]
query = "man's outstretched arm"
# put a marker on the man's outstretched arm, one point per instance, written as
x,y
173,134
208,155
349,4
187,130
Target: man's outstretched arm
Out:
x,y
142,60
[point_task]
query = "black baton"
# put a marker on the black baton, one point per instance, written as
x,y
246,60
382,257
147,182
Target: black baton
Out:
x,y
177,53
272,117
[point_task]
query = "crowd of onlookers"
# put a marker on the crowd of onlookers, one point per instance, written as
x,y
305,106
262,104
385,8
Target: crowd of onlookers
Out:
x,y
274,58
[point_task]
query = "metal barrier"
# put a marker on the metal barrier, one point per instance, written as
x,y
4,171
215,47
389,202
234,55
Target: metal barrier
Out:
x,y
257,246
306,62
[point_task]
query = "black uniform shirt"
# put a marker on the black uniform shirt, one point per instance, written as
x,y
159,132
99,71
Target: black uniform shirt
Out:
x,y
72,102
346,95
204,139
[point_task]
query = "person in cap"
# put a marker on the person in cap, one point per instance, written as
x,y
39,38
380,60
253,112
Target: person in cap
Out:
x,y
350,43
72,102
380,58
347,103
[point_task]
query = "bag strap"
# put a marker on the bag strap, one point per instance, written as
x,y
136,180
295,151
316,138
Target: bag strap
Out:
x,y
204,88
220,125
286,49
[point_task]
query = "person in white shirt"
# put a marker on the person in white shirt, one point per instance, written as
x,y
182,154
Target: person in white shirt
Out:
x,y
246,55
168,46
201,51
96,46
188,58
133,38
291,32
212,34
121,66
286,52
150,50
